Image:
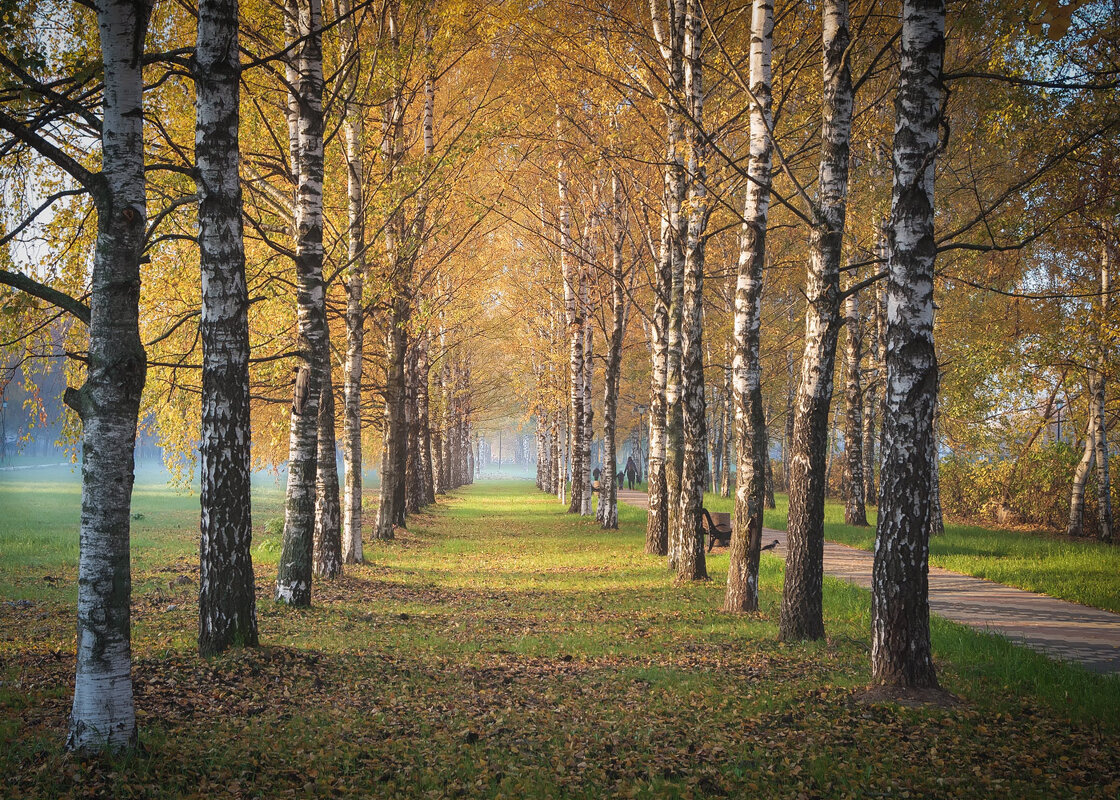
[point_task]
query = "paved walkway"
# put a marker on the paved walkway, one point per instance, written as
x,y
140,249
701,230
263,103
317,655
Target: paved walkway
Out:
x,y
1062,630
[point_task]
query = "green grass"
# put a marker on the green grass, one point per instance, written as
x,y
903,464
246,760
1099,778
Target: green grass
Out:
x,y
502,648
1081,571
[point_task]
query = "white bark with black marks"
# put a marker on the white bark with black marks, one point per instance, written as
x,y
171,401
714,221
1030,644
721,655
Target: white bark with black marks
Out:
x,y
900,643
802,612
293,580
103,716
226,593
689,520
390,508
327,549
608,483
666,420
352,127
1100,430
855,503
750,420
573,312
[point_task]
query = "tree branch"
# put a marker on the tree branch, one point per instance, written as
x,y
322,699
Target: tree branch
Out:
x,y
18,280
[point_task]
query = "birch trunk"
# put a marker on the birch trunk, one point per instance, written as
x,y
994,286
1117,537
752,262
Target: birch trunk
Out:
x,y
467,464
691,563
390,509
450,426
791,400
730,450
871,392
573,308
770,503
665,411
226,598
608,484
327,550
716,435
542,459
293,581
444,482
657,520
855,508
1100,431
561,485
801,615
750,420
936,517
587,428
414,486
900,645
423,407
1084,466
355,286
1100,448
401,444
557,458
103,715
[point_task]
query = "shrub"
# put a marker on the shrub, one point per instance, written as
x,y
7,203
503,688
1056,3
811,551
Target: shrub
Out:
x,y
1034,491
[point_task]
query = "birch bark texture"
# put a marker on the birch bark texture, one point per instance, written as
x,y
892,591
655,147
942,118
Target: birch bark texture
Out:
x,y
573,308
226,595
746,367
327,544
293,580
1100,430
900,644
103,715
691,564
663,473
608,484
855,504
801,614
587,429
390,508
350,58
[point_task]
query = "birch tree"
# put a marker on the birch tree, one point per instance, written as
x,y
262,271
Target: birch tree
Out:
x,y
293,581
900,644
608,485
801,614
390,508
855,508
663,472
689,523
226,596
326,553
349,56
573,308
103,715
1095,450
750,422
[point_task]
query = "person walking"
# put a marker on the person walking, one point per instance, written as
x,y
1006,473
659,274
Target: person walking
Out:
x,y
631,471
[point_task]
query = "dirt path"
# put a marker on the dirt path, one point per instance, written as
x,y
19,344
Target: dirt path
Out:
x,y
1060,629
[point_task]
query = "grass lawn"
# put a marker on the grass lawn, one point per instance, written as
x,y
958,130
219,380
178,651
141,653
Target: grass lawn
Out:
x,y
501,648
1082,571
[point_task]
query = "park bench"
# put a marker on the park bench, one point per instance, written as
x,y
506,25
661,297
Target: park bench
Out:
x,y
718,529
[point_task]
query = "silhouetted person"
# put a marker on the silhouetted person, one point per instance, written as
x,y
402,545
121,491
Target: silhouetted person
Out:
x,y
631,472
